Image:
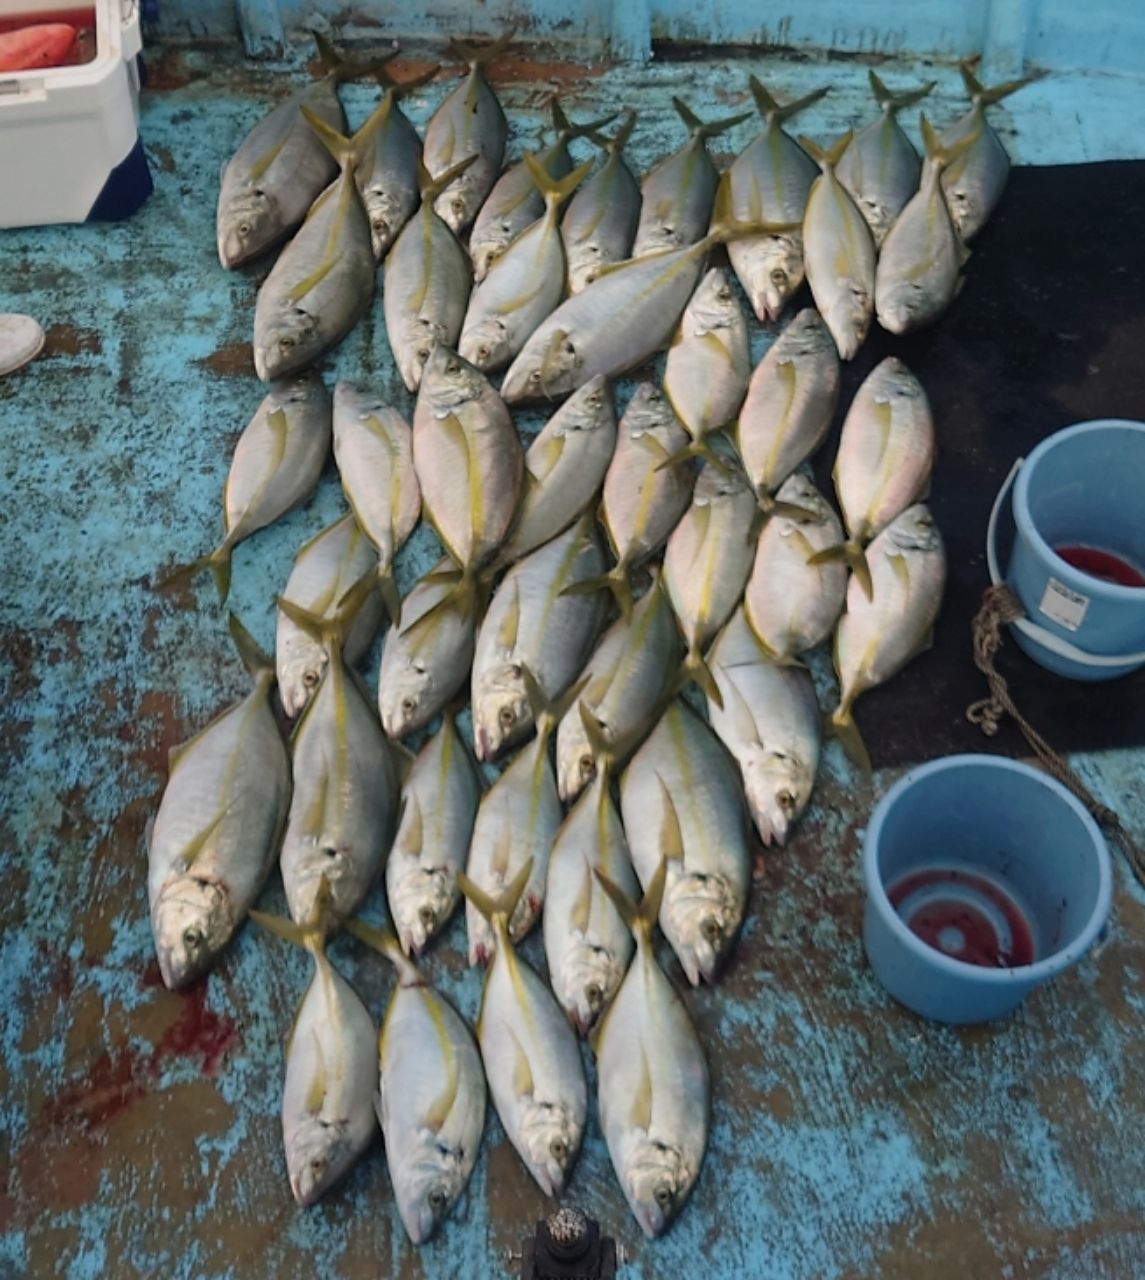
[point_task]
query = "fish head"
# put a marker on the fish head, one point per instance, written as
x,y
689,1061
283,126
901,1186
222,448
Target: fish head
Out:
x,y
501,713
800,491
486,345
550,1134
777,785
300,675
385,215
584,263
192,923
701,915
648,411
591,977
404,696
902,304
317,1153
849,317
547,374
248,224
453,205
495,239
576,764
325,866
914,530
420,335
588,409
774,273
421,901
426,1184
715,486
656,1182
449,381
285,343
659,238
713,306
806,335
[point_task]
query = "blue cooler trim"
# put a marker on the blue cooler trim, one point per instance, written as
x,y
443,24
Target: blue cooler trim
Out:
x,y
126,188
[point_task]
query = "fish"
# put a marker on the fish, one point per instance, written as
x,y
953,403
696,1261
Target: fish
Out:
x,y
839,253
431,1093
643,498
792,604
676,195
532,624
328,1117
626,315
439,804
469,463
920,267
427,283
323,281
516,821
41,44
654,1092
600,222
469,122
515,201
426,658
885,457
281,167
587,944
769,721
325,569
880,632
707,563
881,168
771,178
373,447
789,404
387,175
681,798
630,672
564,468
524,284
217,829
709,362
345,803
975,179
531,1057
276,465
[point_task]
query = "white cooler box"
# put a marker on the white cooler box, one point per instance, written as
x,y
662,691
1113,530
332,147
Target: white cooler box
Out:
x,y
69,136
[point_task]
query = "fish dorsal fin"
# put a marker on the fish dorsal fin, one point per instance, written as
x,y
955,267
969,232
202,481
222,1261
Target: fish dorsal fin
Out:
x,y
316,1093
523,1085
671,834
640,1111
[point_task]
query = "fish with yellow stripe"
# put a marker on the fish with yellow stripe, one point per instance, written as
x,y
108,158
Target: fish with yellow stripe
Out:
x,y
431,1093
530,1053
601,218
217,830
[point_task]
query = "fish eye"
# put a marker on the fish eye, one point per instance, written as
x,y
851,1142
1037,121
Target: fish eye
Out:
x,y
408,706
711,929
779,276
663,1194
437,1198
244,229
287,343
724,293
451,366
535,377
558,1148
786,801
310,679
317,1165
506,717
594,995
192,938
587,766
427,916
422,354
483,352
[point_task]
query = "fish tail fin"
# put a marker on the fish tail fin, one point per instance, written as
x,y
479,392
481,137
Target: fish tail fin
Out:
x,y
841,724
616,144
771,506
482,55
349,152
603,751
639,917
555,190
938,155
506,904
399,88
388,589
549,712
332,631
256,660
217,561
385,942
701,130
465,594
431,187
695,669
770,109
726,226
311,935
343,68
893,102
853,555
826,157
615,580
980,95
567,130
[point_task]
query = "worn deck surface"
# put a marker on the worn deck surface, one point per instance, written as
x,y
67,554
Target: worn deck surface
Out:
x,y
139,1129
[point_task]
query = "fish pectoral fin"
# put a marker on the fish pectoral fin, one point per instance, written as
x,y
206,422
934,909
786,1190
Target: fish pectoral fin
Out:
x,y
582,906
523,1085
316,1093
640,1112
671,835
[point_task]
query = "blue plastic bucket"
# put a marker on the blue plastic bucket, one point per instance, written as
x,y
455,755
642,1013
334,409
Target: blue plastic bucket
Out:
x,y
1004,843
1084,486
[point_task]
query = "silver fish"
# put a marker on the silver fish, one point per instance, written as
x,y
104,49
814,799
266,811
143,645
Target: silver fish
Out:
x,y
601,218
532,1060
769,721
681,798
709,361
587,944
839,253
328,1117
564,468
792,604
469,122
217,830
345,801
323,281
789,404
881,168
886,453
281,167
469,463
276,464
325,569
975,180
920,267
373,448
425,660
878,636
515,202
524,284
440,798
533,625
676,195
426,283
770,179
431,1094
630,671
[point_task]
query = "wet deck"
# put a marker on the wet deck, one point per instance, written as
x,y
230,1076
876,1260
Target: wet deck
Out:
x,y
850,1139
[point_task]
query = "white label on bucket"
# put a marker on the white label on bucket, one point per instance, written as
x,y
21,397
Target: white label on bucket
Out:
x,y
1065,607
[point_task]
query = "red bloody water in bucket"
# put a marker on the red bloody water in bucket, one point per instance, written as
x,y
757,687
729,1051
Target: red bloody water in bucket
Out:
x,y
966,916
1102,564
81,49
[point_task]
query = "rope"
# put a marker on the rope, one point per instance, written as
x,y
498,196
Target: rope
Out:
x,y
999,608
